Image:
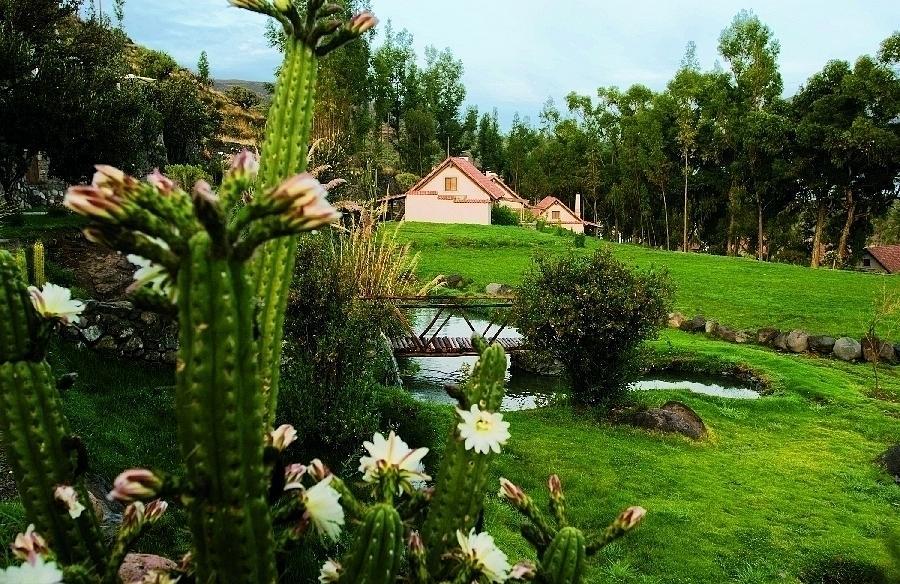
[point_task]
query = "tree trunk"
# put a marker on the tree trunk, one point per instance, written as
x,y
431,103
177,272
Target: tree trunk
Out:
x,y
760,253
845,232
685,232
666,213
730,244
817,237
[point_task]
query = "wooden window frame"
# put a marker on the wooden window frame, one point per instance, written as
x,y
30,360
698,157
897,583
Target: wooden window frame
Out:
x,y
555,215
451,184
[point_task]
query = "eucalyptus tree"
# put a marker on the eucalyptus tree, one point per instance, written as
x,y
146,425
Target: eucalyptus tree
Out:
x,y
393,73
443,94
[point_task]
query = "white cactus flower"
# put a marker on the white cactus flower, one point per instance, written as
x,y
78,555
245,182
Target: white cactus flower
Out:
x,y
56,303
330,572
150,275
68,496
482,554
324,509
39,571
482,431
392,454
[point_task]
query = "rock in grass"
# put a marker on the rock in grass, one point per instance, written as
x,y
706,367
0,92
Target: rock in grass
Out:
x,y
137,567
766,336
821,344
797,341
498,289
673,416
725,333
695,325
847,349
879,350
891,461
710,327
743,337
676,319
780,342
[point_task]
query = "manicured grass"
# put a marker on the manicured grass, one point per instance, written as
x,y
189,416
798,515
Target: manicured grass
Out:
x,y
783,485
38,226
739,292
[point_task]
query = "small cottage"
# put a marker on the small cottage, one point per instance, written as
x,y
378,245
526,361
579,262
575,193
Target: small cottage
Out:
x,y
453,192
554,212
883,259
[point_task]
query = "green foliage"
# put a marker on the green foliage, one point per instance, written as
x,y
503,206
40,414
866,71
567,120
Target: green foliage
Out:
x,y
153,64
501,215
406,180
186,175
243,96
188,120
591,313
203,68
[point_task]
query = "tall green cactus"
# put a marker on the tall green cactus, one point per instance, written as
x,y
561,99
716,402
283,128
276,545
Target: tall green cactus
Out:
x,y
563,562
460,485
37,263
377,549
40,447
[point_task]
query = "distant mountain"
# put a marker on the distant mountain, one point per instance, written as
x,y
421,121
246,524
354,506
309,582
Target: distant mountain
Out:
x,y
257,87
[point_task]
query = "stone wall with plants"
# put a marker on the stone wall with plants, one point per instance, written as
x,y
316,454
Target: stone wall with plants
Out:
x,y
119,330
843,348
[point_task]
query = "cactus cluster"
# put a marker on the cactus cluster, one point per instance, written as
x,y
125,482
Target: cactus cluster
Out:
x,y
221,261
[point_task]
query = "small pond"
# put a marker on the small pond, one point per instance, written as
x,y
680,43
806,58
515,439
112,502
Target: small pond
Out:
x,y
425,377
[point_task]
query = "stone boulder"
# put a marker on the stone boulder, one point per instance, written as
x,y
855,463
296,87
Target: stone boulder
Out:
x,y
455,281
676,319
743,337
710,327
766,336
536,363
821,344
495,289
136,567
876,349
890,460
695,325
797,341
847,349
780,341
725,333
673,416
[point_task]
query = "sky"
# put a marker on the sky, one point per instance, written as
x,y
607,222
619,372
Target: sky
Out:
x,y
519,53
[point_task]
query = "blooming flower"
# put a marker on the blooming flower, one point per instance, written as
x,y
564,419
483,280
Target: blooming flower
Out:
x,y
134,484
482,431
330,572
68,496
393,455
30,545
39,571
480,552
151,275
56,303
323,508
282,436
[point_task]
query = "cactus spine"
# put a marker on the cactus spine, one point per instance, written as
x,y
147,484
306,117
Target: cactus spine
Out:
x,y
220,423
39,445
460,485
563,562
377,549
37,262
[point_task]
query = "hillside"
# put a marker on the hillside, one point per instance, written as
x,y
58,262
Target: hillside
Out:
x,y
260,88
738,292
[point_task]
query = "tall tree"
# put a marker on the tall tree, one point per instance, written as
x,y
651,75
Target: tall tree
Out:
x,y
393,73
685,91
490,151
443,93
203,68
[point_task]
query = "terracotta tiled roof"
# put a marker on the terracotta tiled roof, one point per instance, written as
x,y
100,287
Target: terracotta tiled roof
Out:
x,y
888,256
505,188
548,202
467,168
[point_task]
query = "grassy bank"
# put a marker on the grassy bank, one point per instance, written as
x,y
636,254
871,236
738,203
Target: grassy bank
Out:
x,y
785,488
739,292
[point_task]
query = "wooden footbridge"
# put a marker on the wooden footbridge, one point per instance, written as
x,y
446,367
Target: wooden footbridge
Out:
x,y
433,340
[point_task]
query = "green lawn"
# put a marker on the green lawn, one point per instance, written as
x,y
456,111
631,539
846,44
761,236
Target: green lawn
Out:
x,y
784,484
741,293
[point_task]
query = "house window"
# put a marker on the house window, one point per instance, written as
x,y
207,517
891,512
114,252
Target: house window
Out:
x,y
867,262
554,215
450,184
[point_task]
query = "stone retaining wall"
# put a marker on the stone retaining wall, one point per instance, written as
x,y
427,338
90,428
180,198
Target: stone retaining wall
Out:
x,y
119,330
50,194
794,341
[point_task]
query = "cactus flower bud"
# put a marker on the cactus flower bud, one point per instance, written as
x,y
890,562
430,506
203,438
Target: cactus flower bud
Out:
x,y
362,22
524,570
300,190
245,164
163,184
318,470
133,516
416,545
29,546
109,177
630,517
93,202
68,496
202,190
155,510
293,477
282,437
512,493
135,484
254,5
555,486
330,572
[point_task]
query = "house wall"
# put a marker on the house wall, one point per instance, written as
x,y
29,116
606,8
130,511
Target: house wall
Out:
x,y
566,219
873,265
464,185
516,206
439,209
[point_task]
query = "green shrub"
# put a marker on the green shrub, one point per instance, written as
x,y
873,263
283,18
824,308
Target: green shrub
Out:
x,y
186,175
406,181
243,96
501,215
579,240
592,313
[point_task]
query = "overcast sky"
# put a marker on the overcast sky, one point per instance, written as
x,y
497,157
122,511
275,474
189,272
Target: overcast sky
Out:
x,y
517,53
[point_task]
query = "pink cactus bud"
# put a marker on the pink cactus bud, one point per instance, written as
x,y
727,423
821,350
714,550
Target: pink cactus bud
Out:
x,y
416,546
293,477
163,184
282,437
95,235
630,517
68,496
362,22
156,509
300,190
555,486
134,515
108,177
524,570
29,546
511,492
202,190
94,202
318,470
245,164
135,484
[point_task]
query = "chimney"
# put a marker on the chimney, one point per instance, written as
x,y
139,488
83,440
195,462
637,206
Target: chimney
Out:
x,y
578,205
490,174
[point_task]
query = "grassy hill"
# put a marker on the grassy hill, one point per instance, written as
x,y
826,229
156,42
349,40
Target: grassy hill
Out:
x,y
738,292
